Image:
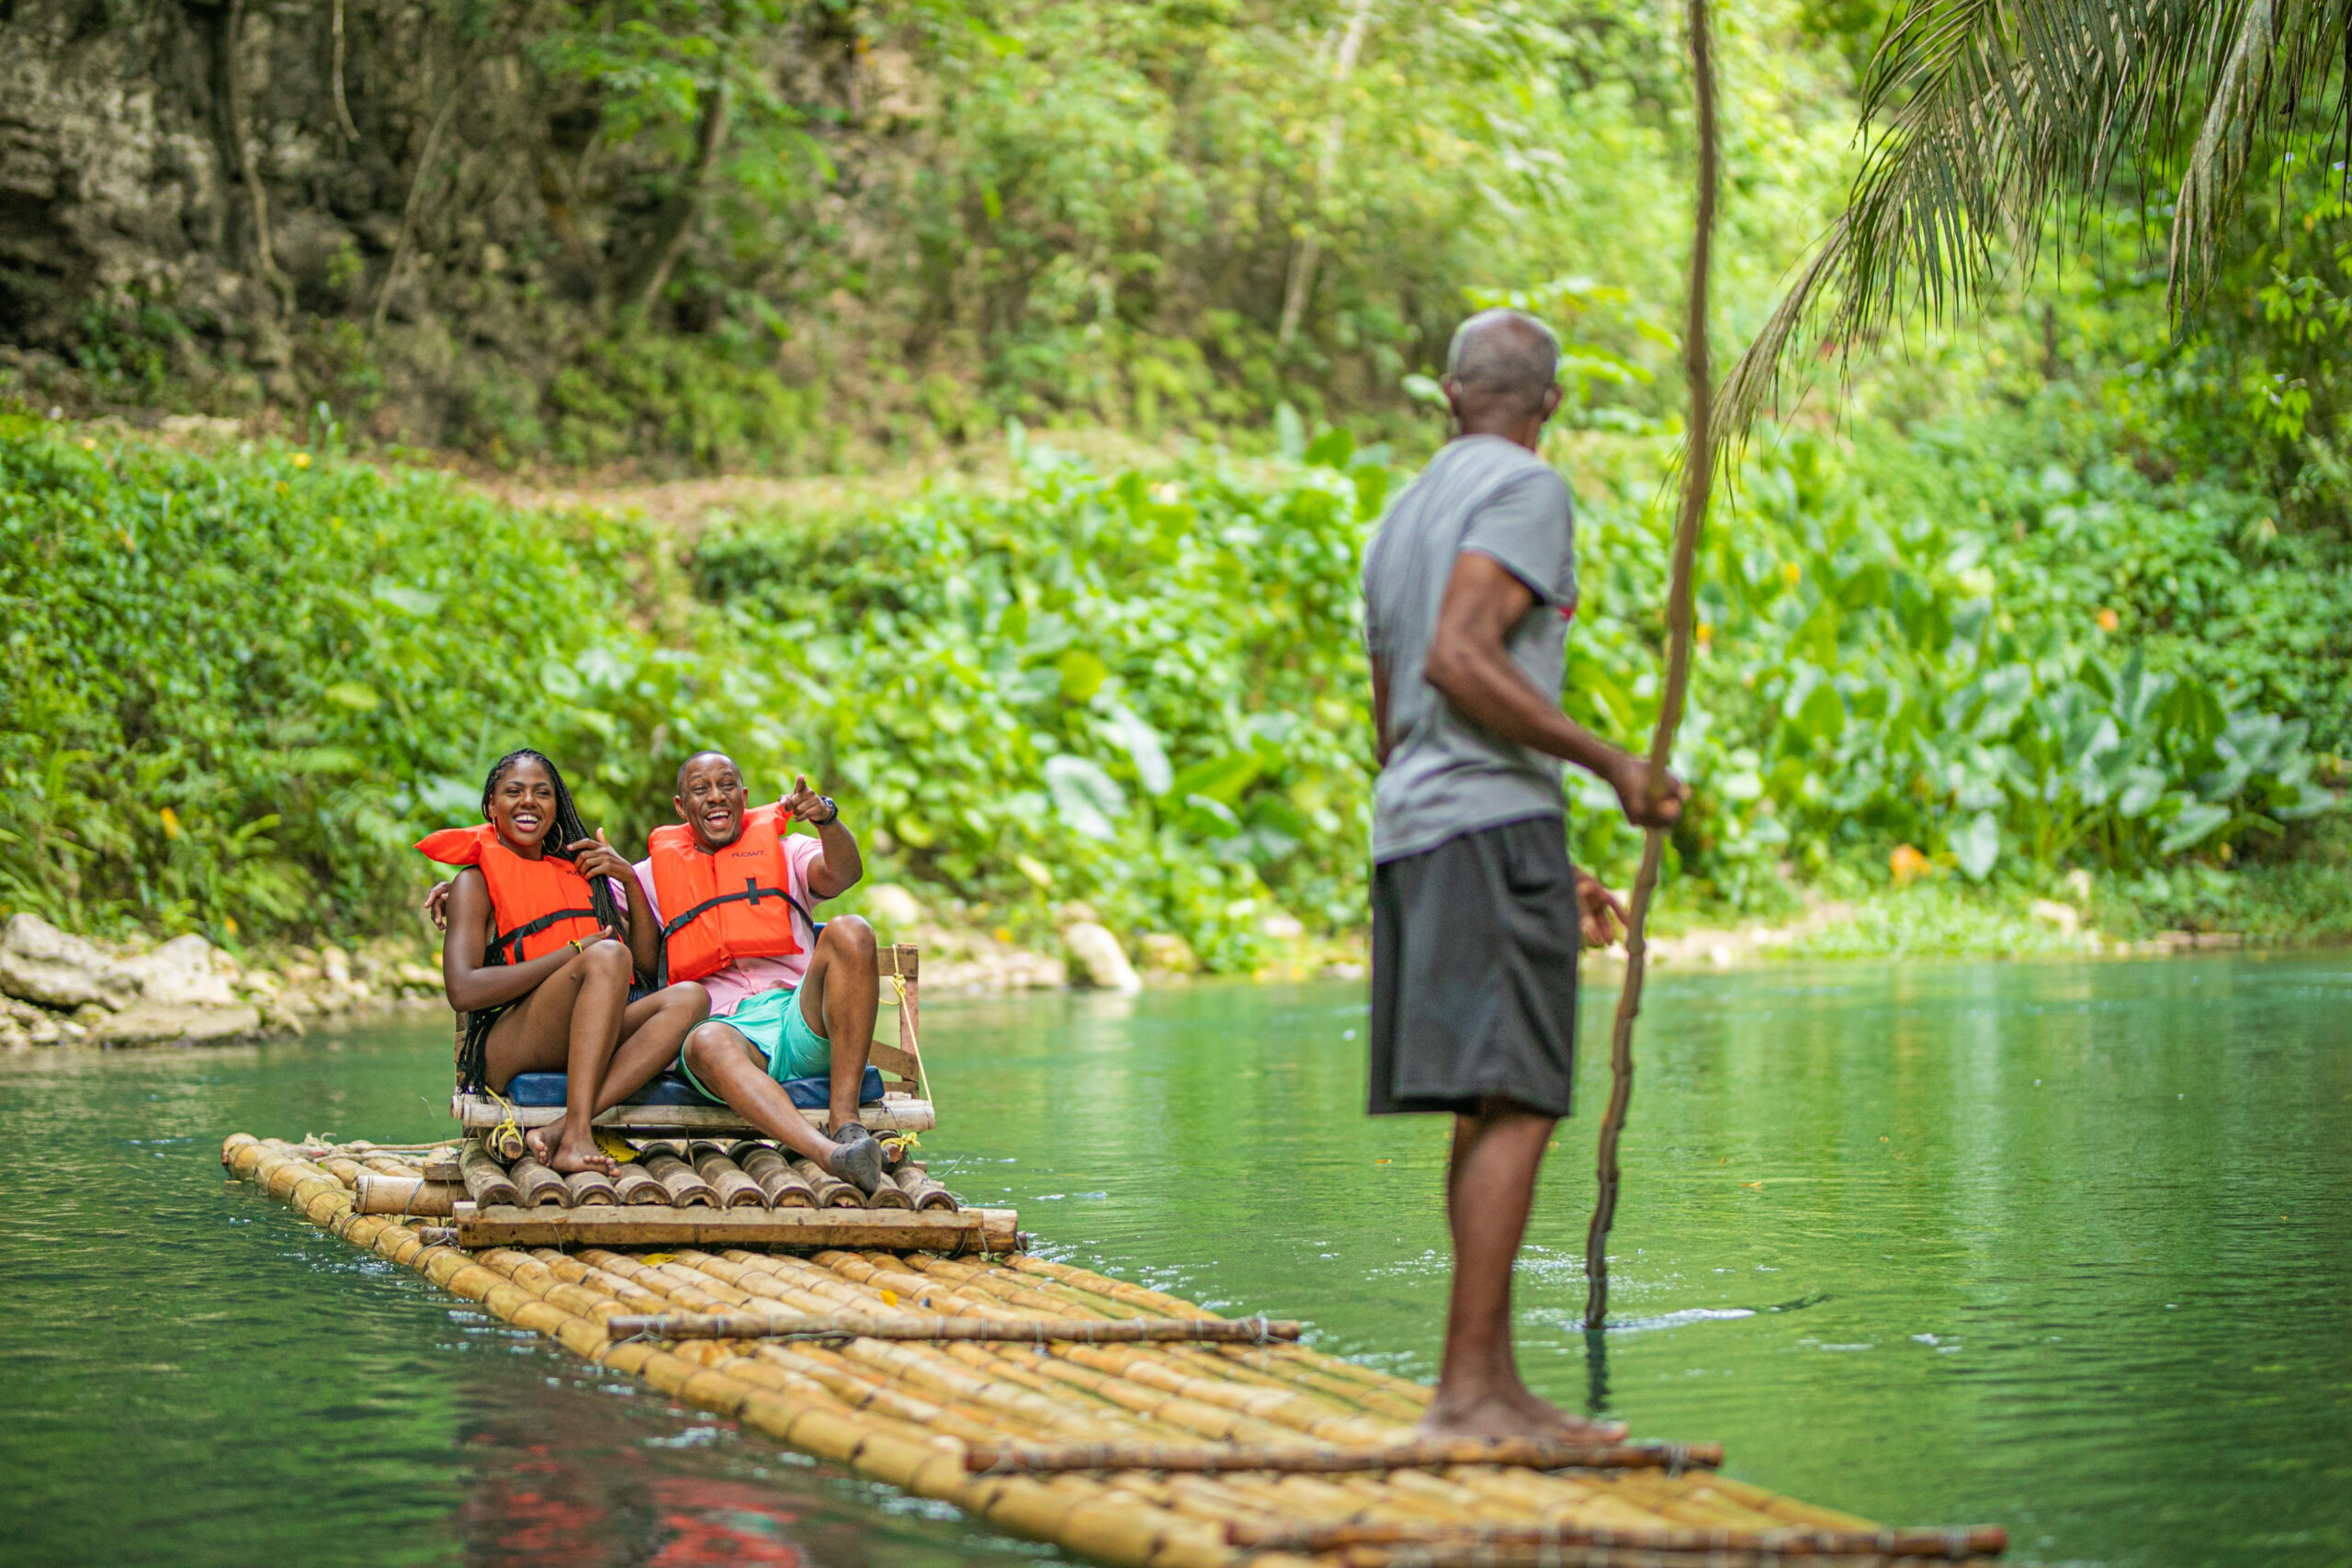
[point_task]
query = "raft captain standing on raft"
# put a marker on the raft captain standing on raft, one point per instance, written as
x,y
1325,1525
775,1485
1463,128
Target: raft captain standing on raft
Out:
x,y
1468,590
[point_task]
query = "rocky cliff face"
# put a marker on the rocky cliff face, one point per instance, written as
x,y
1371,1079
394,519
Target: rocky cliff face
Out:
x,y
108,177
402,213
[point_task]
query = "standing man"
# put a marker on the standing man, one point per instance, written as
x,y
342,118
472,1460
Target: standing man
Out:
x,y
1468,590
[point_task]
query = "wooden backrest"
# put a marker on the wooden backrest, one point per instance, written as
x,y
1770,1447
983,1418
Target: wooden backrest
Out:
x,y
900,963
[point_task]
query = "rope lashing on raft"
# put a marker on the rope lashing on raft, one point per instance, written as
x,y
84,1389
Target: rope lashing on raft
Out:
x,y
1306,1458
1957,1544
1260,1331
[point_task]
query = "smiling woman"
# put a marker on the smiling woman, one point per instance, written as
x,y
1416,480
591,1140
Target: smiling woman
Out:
x,y
538,958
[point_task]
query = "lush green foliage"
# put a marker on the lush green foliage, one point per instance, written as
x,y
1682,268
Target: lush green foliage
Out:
x,y
1142,690
239,688
235,687
1877,667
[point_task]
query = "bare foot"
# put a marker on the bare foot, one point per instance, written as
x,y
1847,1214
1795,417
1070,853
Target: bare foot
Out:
x,y
540,1140
1487,1416
1545,1418
582,1154
1513,1413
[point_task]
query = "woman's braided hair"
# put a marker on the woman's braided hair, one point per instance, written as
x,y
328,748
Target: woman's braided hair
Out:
x,y
473,1051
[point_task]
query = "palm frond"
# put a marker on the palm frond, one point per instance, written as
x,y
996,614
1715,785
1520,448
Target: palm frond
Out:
x,y
1983,118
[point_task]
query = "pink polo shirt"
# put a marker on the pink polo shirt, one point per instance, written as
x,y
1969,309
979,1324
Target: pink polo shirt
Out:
x,y
747,977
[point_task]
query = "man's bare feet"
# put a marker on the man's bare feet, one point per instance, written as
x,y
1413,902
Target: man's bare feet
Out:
x,y
1548,1420
1512,1413
1489,1416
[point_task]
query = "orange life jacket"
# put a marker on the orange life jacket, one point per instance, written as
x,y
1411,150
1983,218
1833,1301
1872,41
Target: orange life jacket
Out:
x,y
539,905
717,908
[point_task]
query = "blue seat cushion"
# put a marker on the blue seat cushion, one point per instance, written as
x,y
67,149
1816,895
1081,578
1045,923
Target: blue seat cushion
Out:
x,y
810,1094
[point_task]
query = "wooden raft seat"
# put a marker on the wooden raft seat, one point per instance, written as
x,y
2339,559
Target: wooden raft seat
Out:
x,y
894,1098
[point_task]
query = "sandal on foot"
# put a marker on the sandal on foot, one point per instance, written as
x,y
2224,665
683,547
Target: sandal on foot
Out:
x,y
859,1163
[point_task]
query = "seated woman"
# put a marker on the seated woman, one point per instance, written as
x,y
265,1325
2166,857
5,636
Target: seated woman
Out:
x,y
538,957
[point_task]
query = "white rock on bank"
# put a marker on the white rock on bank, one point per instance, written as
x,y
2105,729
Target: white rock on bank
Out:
x,y
187,971
37,1026
157,1023
2051,913
1100,956
1167,953
40,963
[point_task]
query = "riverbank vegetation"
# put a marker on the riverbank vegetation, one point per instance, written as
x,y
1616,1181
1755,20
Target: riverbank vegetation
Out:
x,y
240,684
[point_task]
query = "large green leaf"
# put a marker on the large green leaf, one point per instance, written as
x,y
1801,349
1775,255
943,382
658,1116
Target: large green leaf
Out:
x,y
1978,846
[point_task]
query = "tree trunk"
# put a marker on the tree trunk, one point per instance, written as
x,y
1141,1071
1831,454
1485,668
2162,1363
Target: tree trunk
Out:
x,y
246,208
676,219
1301,284
407,236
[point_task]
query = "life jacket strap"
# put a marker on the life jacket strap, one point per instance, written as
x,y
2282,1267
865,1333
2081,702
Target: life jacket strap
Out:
x,y
510,944
753,892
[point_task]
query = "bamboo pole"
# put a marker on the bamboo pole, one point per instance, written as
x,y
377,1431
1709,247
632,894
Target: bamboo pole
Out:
x,y
891,1194
831,1190
678,1180
378,1194
635,1186
735,1188
1020,1330
1698,482
486,1182
786,1187
591,1186
1950,1545
1210,1459
542,1188
921,1191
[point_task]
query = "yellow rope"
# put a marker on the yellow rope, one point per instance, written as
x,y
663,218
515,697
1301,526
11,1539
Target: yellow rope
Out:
x,y
922,1074
498,1133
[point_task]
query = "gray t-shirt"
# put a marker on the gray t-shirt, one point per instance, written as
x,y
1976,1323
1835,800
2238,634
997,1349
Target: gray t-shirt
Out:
x,y
1448,775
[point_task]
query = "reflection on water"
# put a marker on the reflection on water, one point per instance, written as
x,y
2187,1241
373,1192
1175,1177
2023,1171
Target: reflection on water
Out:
x,y
2065,1246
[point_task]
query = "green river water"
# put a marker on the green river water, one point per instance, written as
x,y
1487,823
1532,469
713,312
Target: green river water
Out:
x,y
2063,1247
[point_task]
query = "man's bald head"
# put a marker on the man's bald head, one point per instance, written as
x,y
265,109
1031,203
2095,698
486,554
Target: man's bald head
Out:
x,y
678,784
1503,362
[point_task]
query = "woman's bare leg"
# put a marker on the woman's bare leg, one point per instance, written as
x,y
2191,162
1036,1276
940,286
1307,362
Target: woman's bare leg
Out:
x,y
572,1021
652,1028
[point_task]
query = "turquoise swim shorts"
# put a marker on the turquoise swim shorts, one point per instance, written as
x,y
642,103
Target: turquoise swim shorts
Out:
x,y
773,1022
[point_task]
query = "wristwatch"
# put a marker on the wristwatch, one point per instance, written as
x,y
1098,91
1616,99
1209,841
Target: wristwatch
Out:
x,y
832,813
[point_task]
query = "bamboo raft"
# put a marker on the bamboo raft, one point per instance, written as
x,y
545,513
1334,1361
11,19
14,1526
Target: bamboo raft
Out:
x,y
1122,1425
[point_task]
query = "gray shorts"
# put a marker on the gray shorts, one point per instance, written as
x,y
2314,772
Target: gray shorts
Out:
x,y
1473,973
